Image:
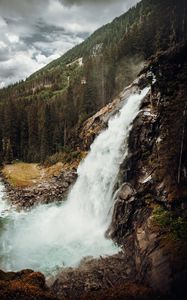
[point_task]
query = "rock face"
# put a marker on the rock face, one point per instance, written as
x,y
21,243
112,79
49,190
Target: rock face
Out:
x,y
105,278
98,122
24,285
152,175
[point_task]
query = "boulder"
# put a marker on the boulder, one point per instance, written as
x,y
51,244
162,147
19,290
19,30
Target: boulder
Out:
x,y
24,285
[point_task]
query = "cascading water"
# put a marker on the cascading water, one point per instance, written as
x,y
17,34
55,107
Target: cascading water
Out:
x,y
52,236
3,204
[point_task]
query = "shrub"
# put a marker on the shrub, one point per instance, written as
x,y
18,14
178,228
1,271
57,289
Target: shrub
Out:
x,y
171,221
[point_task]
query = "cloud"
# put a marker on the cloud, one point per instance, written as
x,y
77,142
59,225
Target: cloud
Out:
x,y
98,2
33,33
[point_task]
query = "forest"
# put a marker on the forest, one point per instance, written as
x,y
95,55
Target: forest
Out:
x,y
39,115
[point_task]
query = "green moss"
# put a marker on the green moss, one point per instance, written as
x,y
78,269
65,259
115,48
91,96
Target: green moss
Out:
x,y
171,222
162,217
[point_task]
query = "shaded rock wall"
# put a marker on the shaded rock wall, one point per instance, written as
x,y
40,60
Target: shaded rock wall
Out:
x,y
154,173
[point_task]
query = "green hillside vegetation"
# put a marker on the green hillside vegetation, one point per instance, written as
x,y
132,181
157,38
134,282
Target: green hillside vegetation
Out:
x,y
39,115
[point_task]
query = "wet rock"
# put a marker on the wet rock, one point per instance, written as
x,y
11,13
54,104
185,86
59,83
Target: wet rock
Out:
x,y
126,192
151,169
91,276
24,285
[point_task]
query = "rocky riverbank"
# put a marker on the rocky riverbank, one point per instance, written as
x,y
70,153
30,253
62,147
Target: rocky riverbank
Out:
x,y
53,189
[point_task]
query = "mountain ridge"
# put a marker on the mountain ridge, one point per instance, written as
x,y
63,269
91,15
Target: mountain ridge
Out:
x,y
57,99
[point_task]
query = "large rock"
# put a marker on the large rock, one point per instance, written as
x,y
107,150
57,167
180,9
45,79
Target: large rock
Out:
x,y
104,278
24,285
155,169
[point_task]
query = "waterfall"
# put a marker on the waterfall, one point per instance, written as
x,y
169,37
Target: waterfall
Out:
x,y
3,204
52,235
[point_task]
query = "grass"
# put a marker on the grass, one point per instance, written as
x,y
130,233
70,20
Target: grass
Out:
x,y
22,174
28,174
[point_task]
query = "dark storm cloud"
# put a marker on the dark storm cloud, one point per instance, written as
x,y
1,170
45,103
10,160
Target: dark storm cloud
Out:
x,y
34,32
98,2
79,2
13,8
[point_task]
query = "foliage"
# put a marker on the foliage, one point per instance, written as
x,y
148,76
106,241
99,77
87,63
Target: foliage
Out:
x,y
171,221
38,116
65,156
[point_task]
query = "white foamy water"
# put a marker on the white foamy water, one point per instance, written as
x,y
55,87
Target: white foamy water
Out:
x,y
3,204
53,236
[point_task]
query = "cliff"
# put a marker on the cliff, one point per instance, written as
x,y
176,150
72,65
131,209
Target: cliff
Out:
x,y
149,218
150,211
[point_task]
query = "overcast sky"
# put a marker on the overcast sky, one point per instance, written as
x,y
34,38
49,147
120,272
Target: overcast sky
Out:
x,y
34,32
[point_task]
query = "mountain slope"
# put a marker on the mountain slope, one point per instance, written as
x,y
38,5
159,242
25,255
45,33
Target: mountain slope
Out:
x,y
40,114
150,213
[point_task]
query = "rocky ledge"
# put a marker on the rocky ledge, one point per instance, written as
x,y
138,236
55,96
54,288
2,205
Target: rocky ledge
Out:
x,y
104,278
54,189
24,285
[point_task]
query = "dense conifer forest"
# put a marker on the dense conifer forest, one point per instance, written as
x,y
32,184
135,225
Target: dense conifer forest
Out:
x,y
39,115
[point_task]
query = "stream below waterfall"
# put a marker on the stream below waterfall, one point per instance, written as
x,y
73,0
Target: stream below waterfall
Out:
x,y
52,236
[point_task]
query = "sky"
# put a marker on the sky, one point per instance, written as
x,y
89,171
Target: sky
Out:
x,y
35,32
